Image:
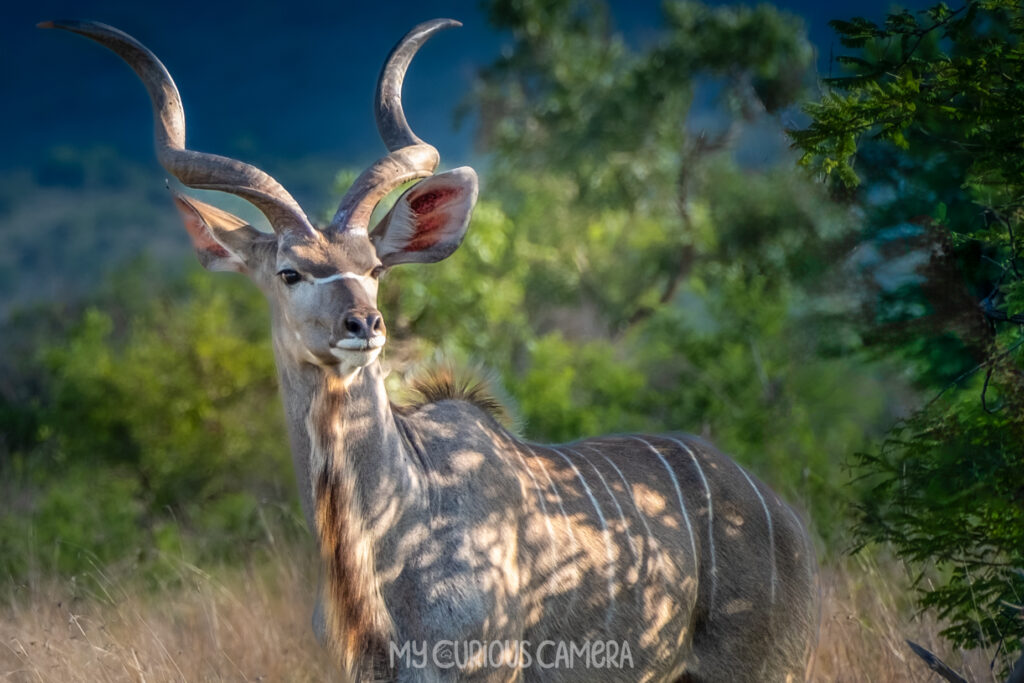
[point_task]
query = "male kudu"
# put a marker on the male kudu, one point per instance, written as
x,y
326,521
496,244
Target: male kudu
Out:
x,y
435,523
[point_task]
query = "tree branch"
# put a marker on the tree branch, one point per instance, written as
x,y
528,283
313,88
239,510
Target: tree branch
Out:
x,y
936,664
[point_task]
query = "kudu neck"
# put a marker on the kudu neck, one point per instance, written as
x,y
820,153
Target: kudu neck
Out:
x,y
346,424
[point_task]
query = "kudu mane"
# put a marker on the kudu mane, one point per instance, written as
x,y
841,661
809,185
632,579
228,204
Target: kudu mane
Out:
x,y
449,382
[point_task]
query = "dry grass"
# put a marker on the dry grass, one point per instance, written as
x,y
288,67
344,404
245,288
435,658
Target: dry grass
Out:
x,y
240,625
866,618
253,625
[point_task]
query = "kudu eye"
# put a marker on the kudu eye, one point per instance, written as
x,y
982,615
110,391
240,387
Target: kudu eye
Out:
x,y
289,276
377,271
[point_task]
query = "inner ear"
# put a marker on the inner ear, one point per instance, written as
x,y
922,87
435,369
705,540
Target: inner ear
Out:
x,y
223,241
429,220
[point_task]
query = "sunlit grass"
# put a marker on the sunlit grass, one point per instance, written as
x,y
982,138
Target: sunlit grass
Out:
x,y
866,618
252,624
239,624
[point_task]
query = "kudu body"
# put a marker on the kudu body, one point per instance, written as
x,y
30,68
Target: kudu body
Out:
x,y
438,526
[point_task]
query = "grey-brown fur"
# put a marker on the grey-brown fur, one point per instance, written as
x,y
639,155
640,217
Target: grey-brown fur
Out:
x,y
434,522
471,492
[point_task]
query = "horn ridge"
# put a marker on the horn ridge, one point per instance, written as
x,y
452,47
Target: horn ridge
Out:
x,y
391,122
408,156
194,169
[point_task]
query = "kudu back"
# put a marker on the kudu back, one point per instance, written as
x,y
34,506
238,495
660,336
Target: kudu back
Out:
x,y
453,550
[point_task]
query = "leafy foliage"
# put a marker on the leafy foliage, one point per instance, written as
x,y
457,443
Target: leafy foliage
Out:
x,y
927,120
571,97
950,480
156,420
74,217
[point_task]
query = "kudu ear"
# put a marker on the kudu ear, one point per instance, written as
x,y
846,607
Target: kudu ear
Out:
x,y
223,241
429,220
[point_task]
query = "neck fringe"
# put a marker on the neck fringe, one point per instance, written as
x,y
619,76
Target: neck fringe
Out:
x,y
358,622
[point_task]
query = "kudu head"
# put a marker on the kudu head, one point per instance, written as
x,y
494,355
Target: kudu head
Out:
x,y
321,282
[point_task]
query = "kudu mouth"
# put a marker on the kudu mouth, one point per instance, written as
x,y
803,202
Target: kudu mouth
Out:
x,y
362,336
353,353
356,344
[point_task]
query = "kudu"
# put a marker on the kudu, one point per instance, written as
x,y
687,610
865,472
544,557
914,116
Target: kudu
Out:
x,y
438,526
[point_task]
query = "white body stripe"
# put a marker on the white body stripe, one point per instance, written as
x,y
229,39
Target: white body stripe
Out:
x,y
568,528
771,532
604,528
711,517
611,494
629,489
540,497
679,496
558,499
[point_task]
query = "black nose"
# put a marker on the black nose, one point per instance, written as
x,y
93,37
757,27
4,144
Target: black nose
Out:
x,y
364,325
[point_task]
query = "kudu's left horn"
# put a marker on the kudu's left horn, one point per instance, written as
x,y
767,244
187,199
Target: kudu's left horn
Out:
x,y
408,157
194,169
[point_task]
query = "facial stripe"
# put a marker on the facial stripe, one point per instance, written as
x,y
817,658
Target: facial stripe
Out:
x,y
711,516
339,276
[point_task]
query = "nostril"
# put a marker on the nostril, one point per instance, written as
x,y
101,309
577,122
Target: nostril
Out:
x,y
363,325
355,326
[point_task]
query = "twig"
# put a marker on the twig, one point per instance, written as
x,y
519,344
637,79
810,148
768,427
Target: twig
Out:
x,y
984,390
921,33
1013,242
973,370
936,664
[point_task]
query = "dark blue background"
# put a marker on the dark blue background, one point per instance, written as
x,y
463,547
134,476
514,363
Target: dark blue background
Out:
x,y
270,81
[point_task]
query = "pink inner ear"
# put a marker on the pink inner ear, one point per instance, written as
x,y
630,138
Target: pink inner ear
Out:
x,y
430,220
429,201
428,231
201,238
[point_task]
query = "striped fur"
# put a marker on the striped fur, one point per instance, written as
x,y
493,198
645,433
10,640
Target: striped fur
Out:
x,y
655,539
